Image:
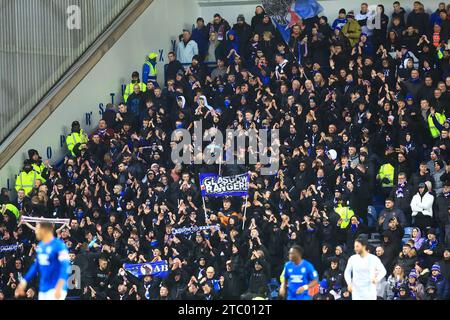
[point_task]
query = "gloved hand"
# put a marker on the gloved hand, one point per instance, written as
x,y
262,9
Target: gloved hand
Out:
x,y
385,180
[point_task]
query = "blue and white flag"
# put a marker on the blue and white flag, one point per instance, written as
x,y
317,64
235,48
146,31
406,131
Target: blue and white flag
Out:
x,y
213,185
287,13
187,231
158,269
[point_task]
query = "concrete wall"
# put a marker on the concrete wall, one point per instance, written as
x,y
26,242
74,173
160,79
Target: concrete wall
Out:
x,y
153,31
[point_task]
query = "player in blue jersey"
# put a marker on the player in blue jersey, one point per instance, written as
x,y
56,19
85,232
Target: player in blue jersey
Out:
x,y
299,276
51,264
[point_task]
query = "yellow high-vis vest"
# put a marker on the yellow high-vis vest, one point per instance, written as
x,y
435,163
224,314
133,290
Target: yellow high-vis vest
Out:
x,y
130,89
345,213
27,181
386,171
435,133
75,138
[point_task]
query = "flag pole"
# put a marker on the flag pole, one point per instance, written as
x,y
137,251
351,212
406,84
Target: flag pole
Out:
x,y
245,213
204,208
220,162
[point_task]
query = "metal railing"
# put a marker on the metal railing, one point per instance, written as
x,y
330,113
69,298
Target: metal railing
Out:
x,y
37,47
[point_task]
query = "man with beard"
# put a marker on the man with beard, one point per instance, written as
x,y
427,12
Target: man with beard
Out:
x,y
363,272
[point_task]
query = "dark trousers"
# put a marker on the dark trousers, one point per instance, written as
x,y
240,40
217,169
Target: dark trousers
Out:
x,y
423,222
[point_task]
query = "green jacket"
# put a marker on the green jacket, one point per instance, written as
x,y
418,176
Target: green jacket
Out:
x,y
353,29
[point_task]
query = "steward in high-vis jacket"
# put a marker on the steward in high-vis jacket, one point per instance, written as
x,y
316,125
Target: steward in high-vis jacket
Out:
x,y
436,122
27,178
345,214
386,175
76,138
149,71
129,89
37,164
10,210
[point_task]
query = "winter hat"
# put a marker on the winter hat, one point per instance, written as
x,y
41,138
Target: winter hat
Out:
x,y
152,56
32,153
430,285
436,267
413,274
351,14
421,264
75,124
439,163
241,18
404,287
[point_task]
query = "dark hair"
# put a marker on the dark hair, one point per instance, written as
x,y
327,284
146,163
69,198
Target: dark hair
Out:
x,y
298,249
363,240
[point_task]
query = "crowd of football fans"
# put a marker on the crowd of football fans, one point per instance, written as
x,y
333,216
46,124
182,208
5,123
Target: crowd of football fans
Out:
x,y
364,149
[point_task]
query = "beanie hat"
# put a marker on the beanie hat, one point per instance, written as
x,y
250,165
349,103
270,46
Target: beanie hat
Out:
x,y
436,267
32,153
421,264
413,274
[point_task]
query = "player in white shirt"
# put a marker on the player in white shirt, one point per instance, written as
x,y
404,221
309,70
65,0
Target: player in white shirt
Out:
x,y
363,272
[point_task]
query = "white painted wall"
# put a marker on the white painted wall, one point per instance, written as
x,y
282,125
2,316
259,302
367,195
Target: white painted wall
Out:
x,y
153,31
230,11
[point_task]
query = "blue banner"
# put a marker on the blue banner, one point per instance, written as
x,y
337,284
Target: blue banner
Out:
x,y
286,14
158,269
9,248
213,185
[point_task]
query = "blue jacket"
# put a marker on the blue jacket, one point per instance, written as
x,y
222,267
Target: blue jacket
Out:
x,y
442,286
201,36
